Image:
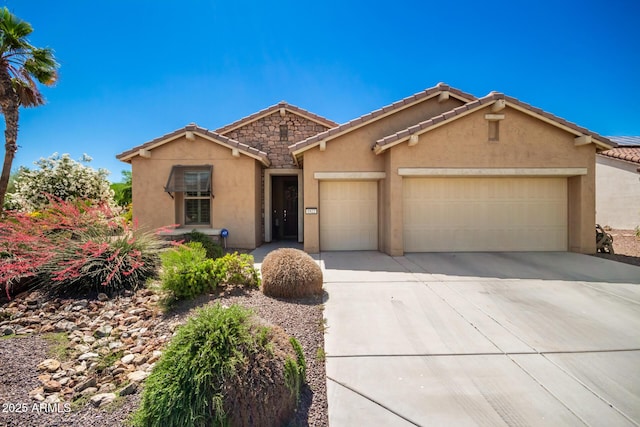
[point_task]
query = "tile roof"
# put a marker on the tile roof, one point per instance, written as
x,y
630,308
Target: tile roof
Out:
x,y
272,109
629,154
393,139
626,140
355,123
192,127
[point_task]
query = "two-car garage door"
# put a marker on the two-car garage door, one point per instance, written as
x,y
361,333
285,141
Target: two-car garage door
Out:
x,y
484,214
451,214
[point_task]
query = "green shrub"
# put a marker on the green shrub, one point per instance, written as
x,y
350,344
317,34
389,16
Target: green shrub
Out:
x,y
236,269
213,249
223,367
187,272
290,273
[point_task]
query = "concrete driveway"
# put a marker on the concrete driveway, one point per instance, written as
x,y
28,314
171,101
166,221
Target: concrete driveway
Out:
x,y
481,339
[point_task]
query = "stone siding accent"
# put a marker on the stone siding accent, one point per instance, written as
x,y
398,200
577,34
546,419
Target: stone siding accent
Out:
x,y
264,134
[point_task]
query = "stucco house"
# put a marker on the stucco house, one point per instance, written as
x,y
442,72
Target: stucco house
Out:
x,y
441,170
618,184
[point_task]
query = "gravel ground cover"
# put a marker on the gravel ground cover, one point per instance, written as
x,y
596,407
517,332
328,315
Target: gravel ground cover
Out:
x,y
626,247
22,352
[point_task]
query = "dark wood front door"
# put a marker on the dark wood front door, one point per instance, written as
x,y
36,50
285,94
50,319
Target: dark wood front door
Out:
x,y
284,192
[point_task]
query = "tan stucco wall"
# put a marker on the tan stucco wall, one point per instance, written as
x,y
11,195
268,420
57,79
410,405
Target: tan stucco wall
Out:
x,y
352,153
235,185
617,193
525,142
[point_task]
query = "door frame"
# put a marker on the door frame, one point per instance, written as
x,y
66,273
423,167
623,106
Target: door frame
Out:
x,y
268,173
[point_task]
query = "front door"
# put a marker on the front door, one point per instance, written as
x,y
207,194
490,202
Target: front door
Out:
x,y
285,207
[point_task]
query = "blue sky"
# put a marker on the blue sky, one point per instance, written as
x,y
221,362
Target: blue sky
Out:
x,y
134,70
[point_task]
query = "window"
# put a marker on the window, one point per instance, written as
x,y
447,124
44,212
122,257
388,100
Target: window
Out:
x,y
194,182
284,133
197,198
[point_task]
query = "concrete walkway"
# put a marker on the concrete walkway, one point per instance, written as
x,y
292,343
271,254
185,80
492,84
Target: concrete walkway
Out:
x,y
481,339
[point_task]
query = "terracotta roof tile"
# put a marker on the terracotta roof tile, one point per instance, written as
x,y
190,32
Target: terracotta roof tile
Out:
x,y
440,87
629,154
272,109
192,127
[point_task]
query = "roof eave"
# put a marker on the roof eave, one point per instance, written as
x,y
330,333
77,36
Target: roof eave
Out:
x,y
402,104
127,156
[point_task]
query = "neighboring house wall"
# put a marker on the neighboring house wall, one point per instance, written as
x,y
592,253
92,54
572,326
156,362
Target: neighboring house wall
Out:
x,y
235,185
617,193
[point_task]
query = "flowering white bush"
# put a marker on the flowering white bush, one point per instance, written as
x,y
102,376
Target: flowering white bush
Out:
x,y
62,177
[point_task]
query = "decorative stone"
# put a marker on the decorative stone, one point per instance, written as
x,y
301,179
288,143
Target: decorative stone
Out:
x,y
88,391
49,365
137,376
52,386
86,356
102,297
38,397
59,375
7,331
140,359
36,391
107,388
65,325
103,331
90,382
52,398
128,389
102,399
127,359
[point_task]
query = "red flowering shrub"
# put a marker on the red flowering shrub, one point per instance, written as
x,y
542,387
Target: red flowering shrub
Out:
x,y
70,247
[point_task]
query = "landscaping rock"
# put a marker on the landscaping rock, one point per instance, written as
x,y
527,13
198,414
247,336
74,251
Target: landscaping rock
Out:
x,y
91,382
49,365
87,356
128,389
127,359
102,399
103,331
137,376
51,386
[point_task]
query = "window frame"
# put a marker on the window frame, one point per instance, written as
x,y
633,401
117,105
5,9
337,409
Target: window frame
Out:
x,y
194,183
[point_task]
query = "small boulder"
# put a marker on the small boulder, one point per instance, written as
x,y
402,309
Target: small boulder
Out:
x,y
102,399
49,365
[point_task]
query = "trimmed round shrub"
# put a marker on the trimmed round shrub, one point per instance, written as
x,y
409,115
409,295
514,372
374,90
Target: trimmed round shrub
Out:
x,y
290,273
224,367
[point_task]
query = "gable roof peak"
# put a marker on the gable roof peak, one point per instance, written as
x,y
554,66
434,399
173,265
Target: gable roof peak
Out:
x,y
273,109
428,93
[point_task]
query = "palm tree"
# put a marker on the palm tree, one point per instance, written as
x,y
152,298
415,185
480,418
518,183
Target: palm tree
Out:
x,y
21,66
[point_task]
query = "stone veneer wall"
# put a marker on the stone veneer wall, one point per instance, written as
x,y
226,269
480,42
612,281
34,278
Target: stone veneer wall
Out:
x,y
264,134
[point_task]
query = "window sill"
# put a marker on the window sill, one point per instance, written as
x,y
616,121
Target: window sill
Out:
x,y
186,230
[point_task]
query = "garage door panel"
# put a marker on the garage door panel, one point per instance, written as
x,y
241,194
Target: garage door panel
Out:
x,y
348,215
485,214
